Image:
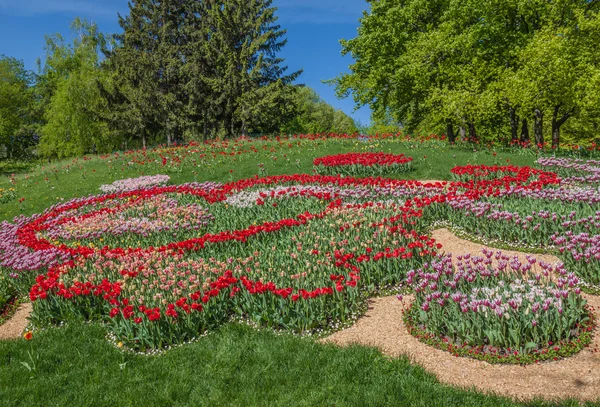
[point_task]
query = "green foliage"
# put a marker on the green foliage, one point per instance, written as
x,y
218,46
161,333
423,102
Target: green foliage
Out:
x,y
7,293
16,102
488,68
314,115
184,68
71,74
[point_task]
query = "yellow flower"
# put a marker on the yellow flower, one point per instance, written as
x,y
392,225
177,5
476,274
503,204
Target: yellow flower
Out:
x,y
120,344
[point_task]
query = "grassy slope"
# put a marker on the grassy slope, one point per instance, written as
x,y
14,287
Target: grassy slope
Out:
x,y
236,365
84,178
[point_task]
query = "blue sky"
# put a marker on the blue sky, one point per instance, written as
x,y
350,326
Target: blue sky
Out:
x,y
314,30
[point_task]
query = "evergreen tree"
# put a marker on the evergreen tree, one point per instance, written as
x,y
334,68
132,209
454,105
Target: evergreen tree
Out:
x,y
145,96
184,67
249,76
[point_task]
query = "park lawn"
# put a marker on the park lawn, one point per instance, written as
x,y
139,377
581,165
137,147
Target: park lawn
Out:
x,y
235,365
49,184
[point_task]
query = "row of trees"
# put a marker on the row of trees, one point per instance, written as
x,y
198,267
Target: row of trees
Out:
x,y
180,70
502,70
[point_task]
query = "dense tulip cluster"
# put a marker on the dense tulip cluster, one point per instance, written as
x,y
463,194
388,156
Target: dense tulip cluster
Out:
x,y
302,277
132,184
496,305
370,164
581,254
574,171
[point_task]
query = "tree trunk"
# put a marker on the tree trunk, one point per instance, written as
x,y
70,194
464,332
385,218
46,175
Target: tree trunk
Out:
x,y
244,129
169,138
463,133
472,133
556,124
227,127
450,132
144,141
538,127
525,132
514,126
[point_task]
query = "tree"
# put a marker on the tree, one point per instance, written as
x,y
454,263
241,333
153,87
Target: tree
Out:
x,y
16,105
70,78
488,67
145,94
184,67
313,115
249,75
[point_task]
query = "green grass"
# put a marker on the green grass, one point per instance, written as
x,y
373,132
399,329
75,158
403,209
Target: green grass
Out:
x,y
49,184
236,366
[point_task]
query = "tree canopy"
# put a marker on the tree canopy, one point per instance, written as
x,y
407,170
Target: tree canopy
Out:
x,y
69,82
16,106
314,115
492,69
190,67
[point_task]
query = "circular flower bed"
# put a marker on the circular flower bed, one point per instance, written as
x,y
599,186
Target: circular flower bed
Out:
x,y
295,257
498,309
369,164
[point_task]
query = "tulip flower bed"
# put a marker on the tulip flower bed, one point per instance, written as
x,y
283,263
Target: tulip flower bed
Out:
x,y
294,257
581,254
498,309
568,223
162,265
573,171
362,164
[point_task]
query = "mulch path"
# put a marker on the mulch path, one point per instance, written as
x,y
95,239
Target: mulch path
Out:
x,y
14,327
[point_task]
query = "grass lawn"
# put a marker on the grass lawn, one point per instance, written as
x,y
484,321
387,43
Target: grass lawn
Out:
x,y
237,365
48,184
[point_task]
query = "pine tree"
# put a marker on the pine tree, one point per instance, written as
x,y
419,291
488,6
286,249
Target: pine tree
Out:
x,y
198,66
245,76
146,95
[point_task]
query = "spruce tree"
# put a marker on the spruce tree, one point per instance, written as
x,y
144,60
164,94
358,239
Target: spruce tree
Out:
x,y
244,78
145,98
198,66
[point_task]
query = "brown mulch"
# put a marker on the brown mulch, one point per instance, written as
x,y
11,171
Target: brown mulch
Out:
x,y
14,327
383,327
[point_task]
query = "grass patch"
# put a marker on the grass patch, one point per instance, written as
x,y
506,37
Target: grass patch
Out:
x,y
236,365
